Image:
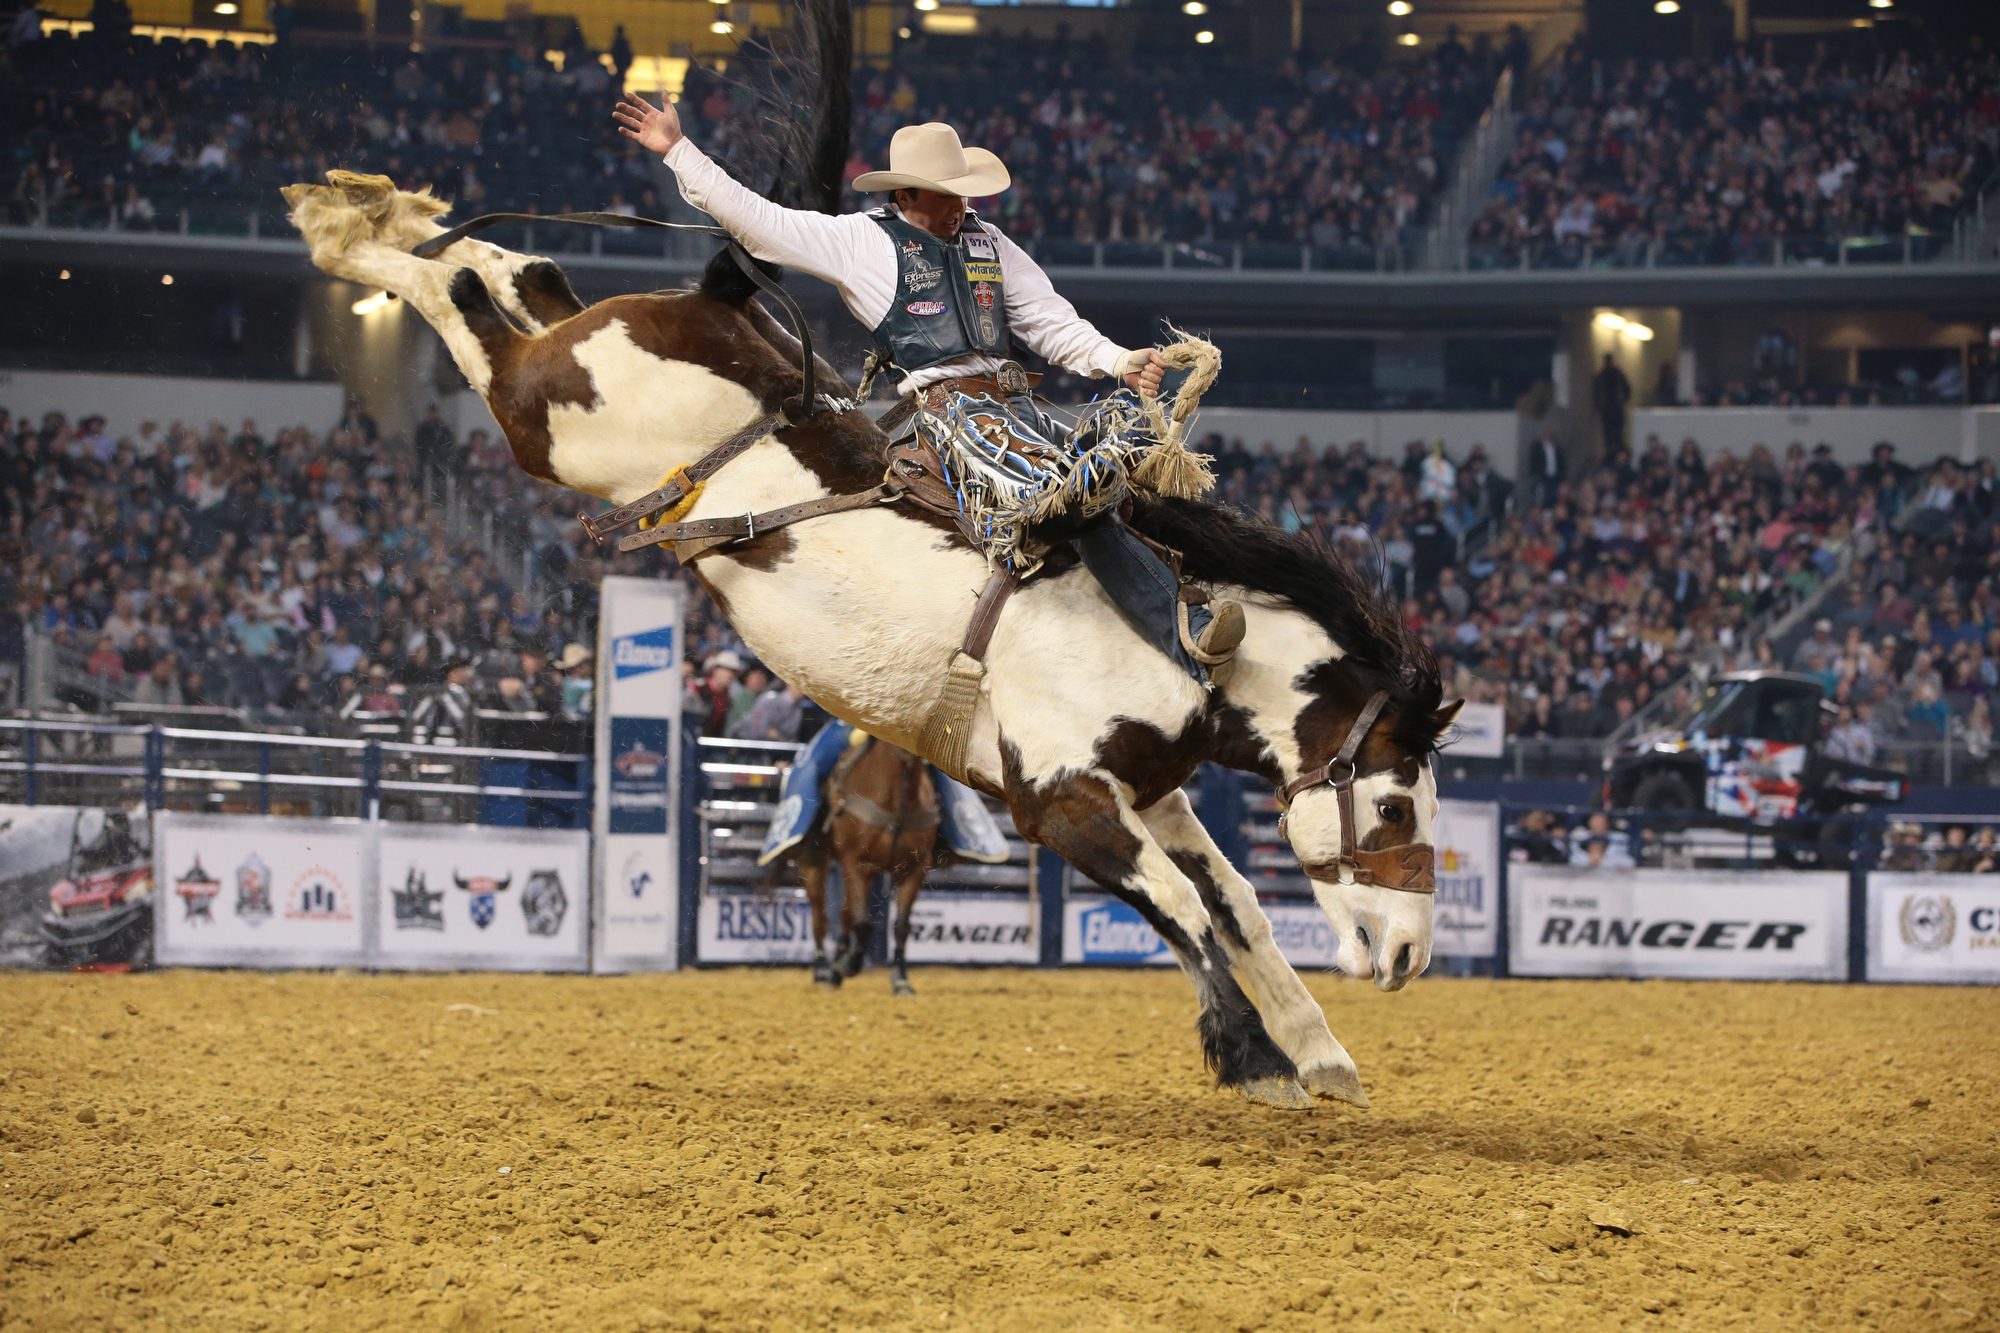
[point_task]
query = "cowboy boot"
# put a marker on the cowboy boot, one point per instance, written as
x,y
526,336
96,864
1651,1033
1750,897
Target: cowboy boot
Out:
x,y
1215,647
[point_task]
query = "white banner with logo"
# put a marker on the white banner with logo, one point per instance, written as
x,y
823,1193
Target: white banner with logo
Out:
x,y
1466,919
1571,921
482,898
1103,931
773,927
638,776
260,892
1481,732
1936,928
983,928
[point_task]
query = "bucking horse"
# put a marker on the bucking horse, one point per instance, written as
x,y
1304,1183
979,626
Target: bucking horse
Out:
x,y
1085,731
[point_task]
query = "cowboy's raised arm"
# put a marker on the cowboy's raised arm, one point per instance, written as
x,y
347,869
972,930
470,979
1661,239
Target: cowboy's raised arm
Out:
x,y
1049,325
830,248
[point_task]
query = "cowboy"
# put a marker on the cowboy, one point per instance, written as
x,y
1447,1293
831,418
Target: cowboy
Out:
x,y
945,295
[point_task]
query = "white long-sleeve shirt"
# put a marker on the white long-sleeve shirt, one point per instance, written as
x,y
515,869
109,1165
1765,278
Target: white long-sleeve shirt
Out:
x,y
855,255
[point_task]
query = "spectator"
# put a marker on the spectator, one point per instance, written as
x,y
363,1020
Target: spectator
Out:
x,y
446,716
579,680
775,716
1611,395
1536,843
711,700
1597,845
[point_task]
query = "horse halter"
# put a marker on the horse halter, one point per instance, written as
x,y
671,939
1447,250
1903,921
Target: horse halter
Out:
x,y
1411,868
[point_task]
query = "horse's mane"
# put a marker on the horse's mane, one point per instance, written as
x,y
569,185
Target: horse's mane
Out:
x,y
1222,544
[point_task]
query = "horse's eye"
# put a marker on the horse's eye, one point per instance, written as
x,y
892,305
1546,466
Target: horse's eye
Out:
x,y
1391,813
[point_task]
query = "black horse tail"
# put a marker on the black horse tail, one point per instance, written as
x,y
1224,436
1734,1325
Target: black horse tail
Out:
x,y
813,82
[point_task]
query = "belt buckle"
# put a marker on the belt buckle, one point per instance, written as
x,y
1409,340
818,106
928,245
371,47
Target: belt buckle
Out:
x,y
1013,380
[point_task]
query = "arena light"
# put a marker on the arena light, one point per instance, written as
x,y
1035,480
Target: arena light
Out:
x,y
166,279
1881,4
722,27
1408,39
1638,332
63,276
368,305
1204,37
1194,9
1667,6
1401,8
226,8
926,6
952,25
904,32
1609,320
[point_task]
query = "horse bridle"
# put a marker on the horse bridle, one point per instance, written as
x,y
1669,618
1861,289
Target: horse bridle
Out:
x,y
1411,868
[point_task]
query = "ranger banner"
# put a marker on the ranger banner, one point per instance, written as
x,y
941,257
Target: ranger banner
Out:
x,y
1575,921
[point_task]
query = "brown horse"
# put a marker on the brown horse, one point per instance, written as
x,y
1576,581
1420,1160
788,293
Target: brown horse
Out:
x,y
882,819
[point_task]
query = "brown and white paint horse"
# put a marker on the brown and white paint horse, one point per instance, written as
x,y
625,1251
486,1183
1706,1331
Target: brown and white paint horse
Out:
x,y
882,819
1082,729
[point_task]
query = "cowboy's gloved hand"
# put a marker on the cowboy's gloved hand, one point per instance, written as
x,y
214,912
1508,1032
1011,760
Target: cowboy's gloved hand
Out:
x,y
657,128
1141,369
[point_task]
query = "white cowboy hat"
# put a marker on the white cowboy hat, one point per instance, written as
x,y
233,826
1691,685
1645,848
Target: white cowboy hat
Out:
x,y
573,656
930,157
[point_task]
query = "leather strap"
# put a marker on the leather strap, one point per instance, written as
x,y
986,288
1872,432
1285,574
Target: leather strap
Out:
x,y
1412,868
699,536
680,485
1000,585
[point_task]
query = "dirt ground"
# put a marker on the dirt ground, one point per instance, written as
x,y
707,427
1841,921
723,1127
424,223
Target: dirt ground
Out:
x,y
1009,1150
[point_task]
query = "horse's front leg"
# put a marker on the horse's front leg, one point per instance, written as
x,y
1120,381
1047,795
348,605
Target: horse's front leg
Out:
x,y
1295,1019
857,930
812,873
1086,819
910,872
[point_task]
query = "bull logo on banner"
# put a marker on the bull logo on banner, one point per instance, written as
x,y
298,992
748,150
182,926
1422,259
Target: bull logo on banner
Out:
x,y
197,889
1928,921
484,890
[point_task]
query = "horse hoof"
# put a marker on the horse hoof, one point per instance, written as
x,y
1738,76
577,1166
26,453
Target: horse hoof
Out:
x,y
901,986
359,187
1276,1090
1338,1083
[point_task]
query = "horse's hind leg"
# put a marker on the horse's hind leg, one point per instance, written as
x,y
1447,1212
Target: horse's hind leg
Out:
x,y
857,927
1085,818
1295,1020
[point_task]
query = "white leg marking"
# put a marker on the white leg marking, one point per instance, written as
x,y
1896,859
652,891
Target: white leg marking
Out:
x,y
425,284
1293,1017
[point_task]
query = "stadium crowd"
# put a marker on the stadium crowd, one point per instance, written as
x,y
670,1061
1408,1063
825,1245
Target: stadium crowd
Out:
x,y
1752,159
119,134
298,575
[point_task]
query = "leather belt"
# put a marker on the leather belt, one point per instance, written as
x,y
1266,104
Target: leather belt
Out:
x,y
1009,381
1411,868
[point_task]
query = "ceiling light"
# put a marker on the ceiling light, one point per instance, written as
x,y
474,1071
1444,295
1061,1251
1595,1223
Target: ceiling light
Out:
x,y
368,305
1204,37
226,7
1640,332
926,6
1401,8
63,276
903,32
1666,6
1610,320
1881,4
1408,39
1194,9
166,279
722,27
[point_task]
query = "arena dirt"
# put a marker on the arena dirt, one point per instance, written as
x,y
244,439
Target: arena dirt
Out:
x,y
1010,1150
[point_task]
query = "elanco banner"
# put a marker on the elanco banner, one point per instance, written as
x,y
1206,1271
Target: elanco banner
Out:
x,y
1937,928
260,892
1568,921
638,775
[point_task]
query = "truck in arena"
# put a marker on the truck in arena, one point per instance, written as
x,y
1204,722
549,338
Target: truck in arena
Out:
x,y
1753,754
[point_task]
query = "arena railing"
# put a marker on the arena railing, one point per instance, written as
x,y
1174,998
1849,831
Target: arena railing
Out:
x,y
52,762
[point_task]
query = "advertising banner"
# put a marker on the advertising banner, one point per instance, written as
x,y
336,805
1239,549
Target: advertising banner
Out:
x,y
76,885
1100,930
1571,921
965,928
1936,928
638,775
261,892
771,927
1466,920
482,898
1482,732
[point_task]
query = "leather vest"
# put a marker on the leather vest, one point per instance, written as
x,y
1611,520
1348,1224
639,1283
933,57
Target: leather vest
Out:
x,y
950,298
